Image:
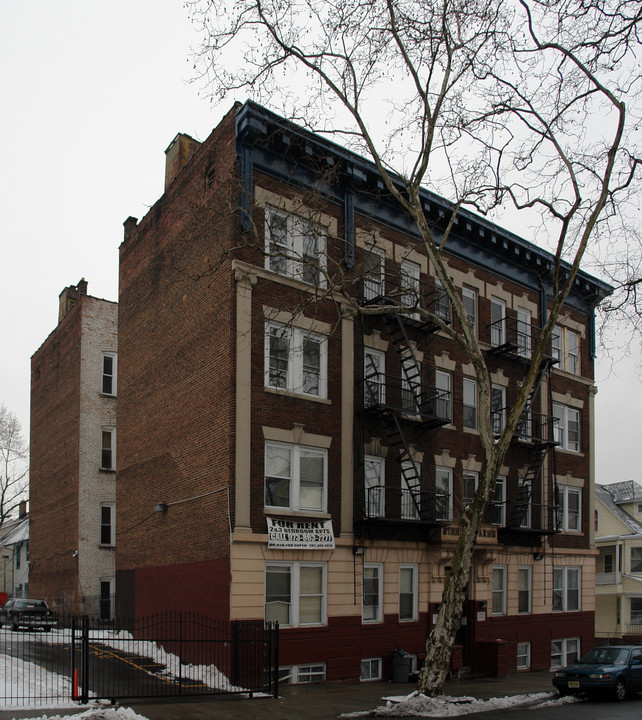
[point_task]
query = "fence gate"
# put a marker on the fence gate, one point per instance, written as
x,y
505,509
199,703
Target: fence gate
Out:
x,y
172,654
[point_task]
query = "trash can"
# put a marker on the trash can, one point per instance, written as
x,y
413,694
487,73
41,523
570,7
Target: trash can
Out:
x,y
401,665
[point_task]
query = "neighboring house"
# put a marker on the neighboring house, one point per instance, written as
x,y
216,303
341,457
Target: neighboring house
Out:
x,y
14,554
618,579
73,456
282,458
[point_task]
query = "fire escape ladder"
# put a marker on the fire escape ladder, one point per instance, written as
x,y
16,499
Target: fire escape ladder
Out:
x,y
397,441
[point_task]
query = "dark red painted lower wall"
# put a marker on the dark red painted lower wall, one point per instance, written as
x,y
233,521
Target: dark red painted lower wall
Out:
x,y
202,587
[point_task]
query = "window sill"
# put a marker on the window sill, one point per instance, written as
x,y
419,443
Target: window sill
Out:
x,y
107,470
300,396
288,512
108,395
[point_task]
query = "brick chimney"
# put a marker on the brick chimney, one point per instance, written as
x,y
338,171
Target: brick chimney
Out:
x,y
178,154
69,297
22,509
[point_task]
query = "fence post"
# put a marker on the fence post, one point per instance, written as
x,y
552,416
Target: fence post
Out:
x,y
235,649
180,652
74,669
85,660
275,630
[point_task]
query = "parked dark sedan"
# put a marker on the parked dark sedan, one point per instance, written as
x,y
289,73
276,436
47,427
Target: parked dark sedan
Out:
x,y
613,669
27,612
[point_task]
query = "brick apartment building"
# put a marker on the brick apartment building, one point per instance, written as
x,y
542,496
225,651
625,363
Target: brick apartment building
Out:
x,y
282,456
73,457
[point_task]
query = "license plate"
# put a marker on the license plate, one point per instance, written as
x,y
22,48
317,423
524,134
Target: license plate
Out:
x,y
574,683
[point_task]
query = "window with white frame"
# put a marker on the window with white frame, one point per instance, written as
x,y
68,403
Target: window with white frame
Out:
x,y
410,496
523,655
498,408
498,502
301,674
566,427
636,611
469,299
372,608
636,560
295,477
108,524
374,374
410,274
443,493
524,332
441,305
374,486
565,651
106,599
470,403
373,273
108,379
497,322
524,500
566,589
565,349
408,592
443,386
294,246
370,669
524,589
470,480
295,593
108,449
296,360
569,509
499,590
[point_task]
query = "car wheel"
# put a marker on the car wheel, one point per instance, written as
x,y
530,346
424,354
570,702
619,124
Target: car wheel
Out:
x,y
620,691
14,626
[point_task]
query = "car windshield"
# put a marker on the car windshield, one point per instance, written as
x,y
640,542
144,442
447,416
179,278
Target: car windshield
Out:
x,y
31,604
606,656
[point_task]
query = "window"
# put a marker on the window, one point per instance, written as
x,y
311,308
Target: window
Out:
x,y
372,593
374,484
523,655
295,477
410,272
569,509
442,302
374,373
410,496
296,360
373,274
106,600
370,669
469,298
636,611
498,408
295,593
109,374
566,589
608,563
564,652
498,502
524,590
524,495
442,384
470,482
408,592
566,427
443,493
294,246
108,449
497,322
636,559
470,404
524,332
107,524
301,674
499,590
565,348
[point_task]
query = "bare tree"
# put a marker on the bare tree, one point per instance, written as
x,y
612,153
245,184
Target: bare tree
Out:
x,y
499,105
13,472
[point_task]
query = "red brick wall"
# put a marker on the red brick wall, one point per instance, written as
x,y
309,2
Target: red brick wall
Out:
x,y
54,464
176,369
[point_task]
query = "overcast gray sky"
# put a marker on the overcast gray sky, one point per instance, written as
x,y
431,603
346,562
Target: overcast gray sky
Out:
x,y
91,95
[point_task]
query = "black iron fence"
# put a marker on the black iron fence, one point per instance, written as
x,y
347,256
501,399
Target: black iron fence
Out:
x,y
165,655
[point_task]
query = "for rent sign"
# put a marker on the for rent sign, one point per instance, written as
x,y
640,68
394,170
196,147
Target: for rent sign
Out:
x,y
301,534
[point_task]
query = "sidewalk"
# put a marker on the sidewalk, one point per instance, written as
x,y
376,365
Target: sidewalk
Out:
x,y
311,702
